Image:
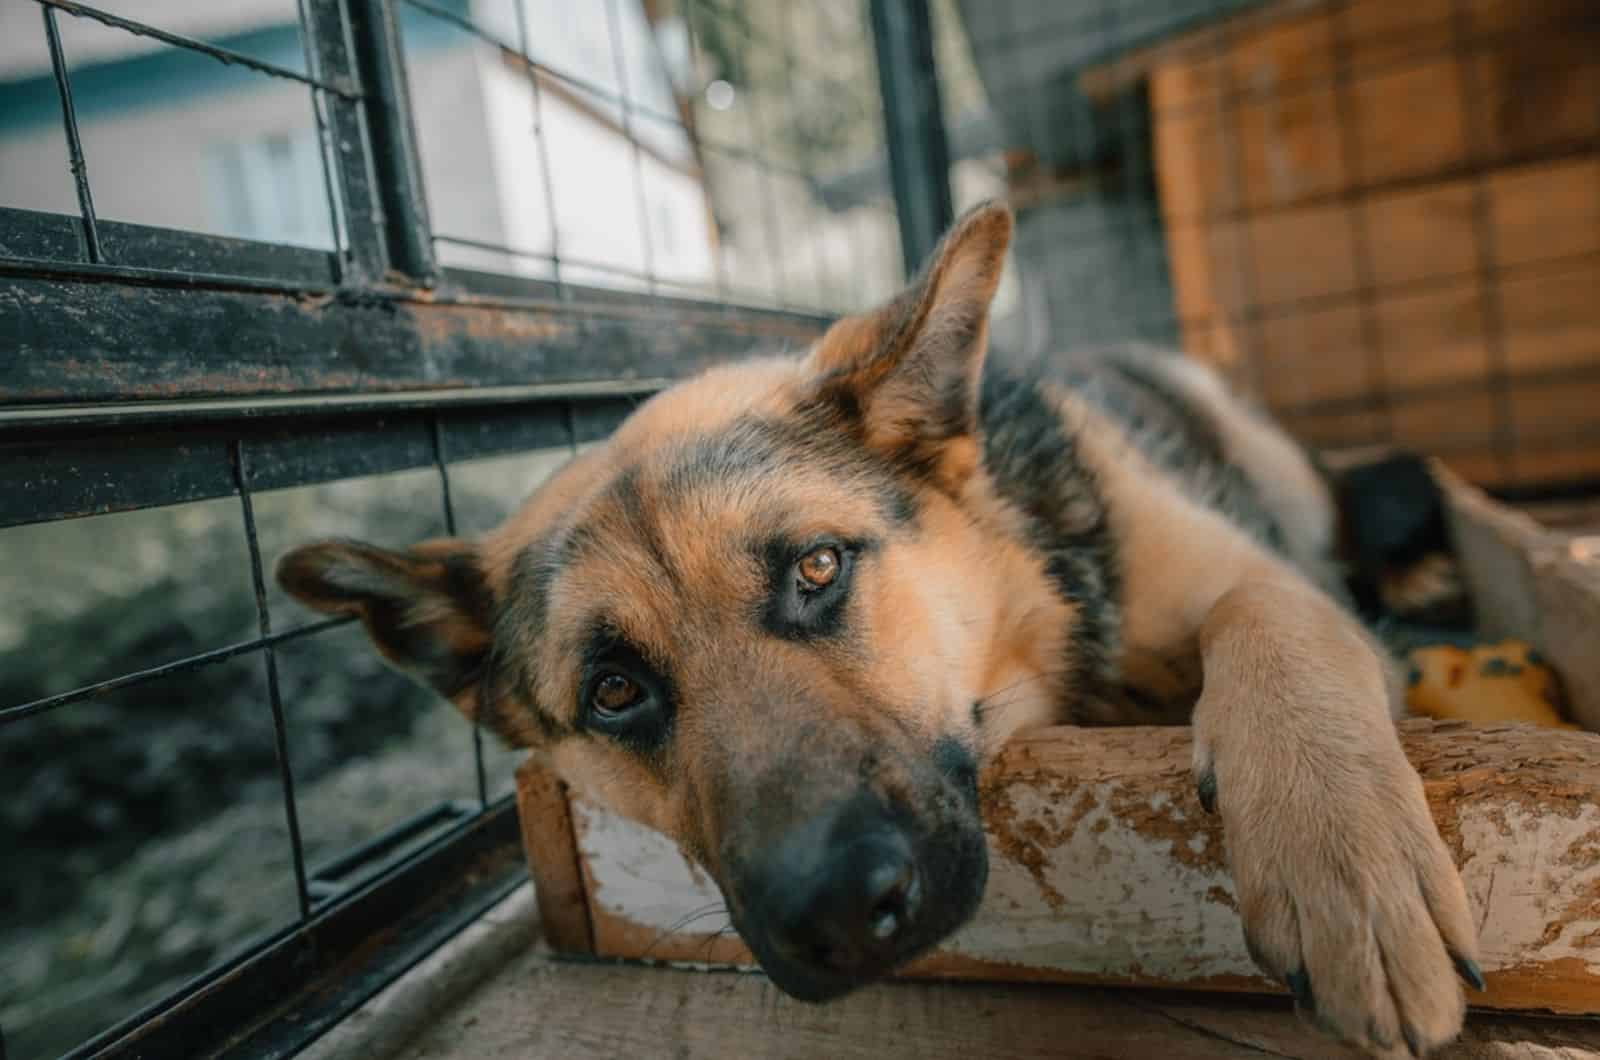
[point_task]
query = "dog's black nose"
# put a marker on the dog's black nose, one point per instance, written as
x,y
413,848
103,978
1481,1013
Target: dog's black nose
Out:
x,y
853,914
842,892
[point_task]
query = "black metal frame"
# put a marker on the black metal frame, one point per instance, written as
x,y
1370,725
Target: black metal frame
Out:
x,y
919,151
108,403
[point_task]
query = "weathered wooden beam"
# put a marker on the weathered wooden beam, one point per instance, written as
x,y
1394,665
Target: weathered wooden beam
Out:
x,y
83,340
1105,871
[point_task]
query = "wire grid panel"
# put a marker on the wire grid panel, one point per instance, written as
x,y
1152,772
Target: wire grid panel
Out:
x,y
1384,220
680,153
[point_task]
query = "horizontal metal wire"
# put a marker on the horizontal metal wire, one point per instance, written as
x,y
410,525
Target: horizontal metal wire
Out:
x,y
177,666
584,84
331,878
224,55
709,288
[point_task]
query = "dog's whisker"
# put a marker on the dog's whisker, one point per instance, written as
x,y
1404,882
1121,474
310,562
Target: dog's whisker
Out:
x,y
998,699
725,931
701,913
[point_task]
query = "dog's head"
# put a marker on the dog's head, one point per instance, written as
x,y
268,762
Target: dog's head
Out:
x,y
761,618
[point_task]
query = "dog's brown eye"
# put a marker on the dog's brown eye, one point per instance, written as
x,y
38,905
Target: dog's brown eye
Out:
x,y
614,694
819,567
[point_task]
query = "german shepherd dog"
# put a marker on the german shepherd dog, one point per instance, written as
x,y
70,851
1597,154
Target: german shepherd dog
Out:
x,y
787,610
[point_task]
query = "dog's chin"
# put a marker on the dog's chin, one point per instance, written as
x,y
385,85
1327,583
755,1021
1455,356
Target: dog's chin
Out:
x,y
962,878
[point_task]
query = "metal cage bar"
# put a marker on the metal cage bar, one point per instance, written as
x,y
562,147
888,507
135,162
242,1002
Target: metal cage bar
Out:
x,y
919,152
69,121
392,201
269,664
178,40
447,503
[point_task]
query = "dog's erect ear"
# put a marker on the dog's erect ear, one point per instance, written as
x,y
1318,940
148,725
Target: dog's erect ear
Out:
x,y
428,609
910,368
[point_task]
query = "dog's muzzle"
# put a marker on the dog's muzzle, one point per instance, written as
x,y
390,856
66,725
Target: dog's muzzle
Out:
x,y
853,892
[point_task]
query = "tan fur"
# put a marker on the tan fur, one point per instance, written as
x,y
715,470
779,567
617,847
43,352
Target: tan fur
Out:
x,y
1297,495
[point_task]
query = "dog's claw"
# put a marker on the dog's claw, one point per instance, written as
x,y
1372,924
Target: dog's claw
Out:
x,y
1207,790
1469,971
1413,1041
1299,984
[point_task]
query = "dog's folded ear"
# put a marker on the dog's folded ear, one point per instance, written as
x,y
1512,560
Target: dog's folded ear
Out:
x,y
428,610
910,369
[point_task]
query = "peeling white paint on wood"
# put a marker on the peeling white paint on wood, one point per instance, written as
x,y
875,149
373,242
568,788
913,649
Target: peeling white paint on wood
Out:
x,y
1104,869
639,875
1539,892
1107,899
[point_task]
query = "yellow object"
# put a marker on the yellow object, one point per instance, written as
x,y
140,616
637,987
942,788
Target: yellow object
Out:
x,y
1503,682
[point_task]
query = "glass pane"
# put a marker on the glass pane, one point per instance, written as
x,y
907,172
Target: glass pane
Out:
x,y
145,842
239,153
91,599
690,148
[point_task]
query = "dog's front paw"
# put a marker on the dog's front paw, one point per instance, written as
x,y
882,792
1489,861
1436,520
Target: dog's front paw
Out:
x,y
1347,893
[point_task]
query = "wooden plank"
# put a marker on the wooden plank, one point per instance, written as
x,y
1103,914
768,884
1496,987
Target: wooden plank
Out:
x,y
1314,356
1422,233
1191,158
1409,123
1496,546
1301,253
1549,462
1104,870
1484,466
1527,583
1561,407
1433,337
1381,33
1289,146
1550,316
1293,50
1535,92
1456,421
1567,587
551,848
541,1007
1336,427
1547,211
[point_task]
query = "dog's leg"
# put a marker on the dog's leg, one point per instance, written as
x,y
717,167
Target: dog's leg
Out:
x,y
1347,893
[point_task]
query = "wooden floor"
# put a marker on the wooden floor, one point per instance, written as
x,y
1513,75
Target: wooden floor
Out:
x,y
541,1006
